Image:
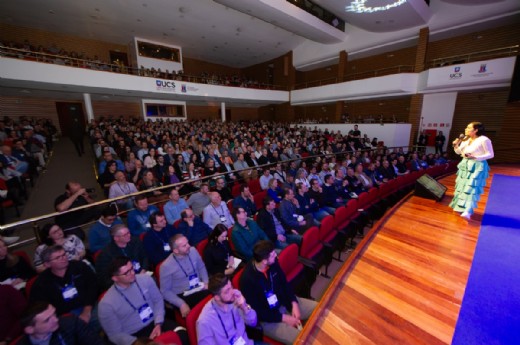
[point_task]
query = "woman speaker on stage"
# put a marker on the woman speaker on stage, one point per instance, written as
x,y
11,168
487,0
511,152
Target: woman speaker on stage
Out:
x,y
475,148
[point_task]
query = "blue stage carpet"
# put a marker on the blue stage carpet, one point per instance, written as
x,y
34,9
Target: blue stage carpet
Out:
x,y
490,311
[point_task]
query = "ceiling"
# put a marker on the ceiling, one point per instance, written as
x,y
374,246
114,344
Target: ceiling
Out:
x,y
215,32
210,31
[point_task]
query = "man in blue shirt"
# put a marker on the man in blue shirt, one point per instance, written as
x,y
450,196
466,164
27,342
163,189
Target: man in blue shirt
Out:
x,y
155,241
174,207
138,218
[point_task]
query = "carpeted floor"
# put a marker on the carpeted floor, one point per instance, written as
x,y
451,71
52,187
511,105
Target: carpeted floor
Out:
x,y
490,312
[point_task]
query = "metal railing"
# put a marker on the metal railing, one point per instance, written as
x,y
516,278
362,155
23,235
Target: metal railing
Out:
x,y
474,56
97,65
25,226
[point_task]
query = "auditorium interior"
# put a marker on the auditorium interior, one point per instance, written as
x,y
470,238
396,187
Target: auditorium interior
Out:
x,y
400,70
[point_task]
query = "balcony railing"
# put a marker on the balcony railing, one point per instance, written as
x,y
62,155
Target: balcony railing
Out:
x,y
475,56
97,65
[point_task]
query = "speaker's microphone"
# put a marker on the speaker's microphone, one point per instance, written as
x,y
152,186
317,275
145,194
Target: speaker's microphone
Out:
x,y
461,136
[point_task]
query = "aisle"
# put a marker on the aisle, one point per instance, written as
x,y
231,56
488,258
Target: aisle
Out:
x,y
64,165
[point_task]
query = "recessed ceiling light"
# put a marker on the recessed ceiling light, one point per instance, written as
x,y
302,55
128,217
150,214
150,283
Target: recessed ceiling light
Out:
x,y
51,11
97,10
139,20
358,6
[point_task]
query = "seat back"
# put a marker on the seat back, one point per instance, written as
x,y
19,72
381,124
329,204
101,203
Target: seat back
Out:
x,y
310,243
235,191
254,186
326,228
236,279
191,320
201,246
288,260
259,197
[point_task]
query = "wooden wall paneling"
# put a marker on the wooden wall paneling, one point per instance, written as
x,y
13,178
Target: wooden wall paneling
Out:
x,y
16,107
507,145
69,43
486,107
196,67
210,112
500,37
398,107
109,109
401,57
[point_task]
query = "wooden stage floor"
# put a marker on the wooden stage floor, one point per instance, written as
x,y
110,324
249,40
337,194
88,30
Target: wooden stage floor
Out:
x,y
405,282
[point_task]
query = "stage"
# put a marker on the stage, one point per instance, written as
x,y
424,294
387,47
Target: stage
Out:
x,y
406,281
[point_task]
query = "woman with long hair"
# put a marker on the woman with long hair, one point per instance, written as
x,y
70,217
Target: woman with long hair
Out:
x,y
475,149
217,254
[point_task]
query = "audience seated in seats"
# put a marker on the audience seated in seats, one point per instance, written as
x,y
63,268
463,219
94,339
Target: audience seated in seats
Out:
x,y
301,177
13,187
52,234
198,201
373,173
42,326
217,212
149,182
122,243
245,234
70,286
307,205
265,178
121,187
274,191
315,176
75,196
13,268
354,183
245,200
183,276
12,304
270,221
174,207
331,197
138,218
156,241
169,177
364,180
133,307
224,191
227,309
99,232
107,178
217,254
11,162
291,216
192,227
401,166
264,285
108,157
387,171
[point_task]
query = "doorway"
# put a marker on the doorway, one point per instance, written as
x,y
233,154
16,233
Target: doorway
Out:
x,y
67,114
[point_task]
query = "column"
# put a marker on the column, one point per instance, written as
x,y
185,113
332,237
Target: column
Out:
x,y
223,111
88,107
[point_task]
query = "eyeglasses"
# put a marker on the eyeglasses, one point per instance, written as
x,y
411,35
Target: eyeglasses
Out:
x,y
124,234
127,273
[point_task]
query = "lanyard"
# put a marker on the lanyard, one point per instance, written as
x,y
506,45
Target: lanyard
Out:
x,y
158,237
123,191
222,322
71,282
127,300
221,209
182,268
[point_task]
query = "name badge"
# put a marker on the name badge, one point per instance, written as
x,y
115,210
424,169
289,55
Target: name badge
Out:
x,y
237,341
148,225
272,300
295,215
223,219
137,266
194,281
69,292
145,313
167,248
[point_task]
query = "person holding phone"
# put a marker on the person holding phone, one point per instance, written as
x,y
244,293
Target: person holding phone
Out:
x,y
475,149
